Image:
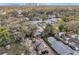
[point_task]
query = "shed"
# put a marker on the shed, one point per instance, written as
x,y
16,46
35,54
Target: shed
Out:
x,y
61,48
51,39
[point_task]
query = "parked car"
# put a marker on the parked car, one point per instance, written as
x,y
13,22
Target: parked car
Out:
x,y
74,47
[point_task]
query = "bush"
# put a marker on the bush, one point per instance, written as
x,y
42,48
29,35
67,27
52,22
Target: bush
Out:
x,y
17,49
5,36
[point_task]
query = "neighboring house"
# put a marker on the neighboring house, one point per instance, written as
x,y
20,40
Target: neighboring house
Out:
x,y
61,33
51,16
26,18
36,19
53,20
3,12
77,37
71,35
39,32
19,11
20,16
74,45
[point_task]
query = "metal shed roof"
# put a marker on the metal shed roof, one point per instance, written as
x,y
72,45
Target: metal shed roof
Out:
x,y
51,39
60,48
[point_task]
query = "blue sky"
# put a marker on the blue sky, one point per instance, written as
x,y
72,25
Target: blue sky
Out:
x,y
25,4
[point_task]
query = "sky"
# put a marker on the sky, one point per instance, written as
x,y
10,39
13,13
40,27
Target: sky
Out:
x,y
34,4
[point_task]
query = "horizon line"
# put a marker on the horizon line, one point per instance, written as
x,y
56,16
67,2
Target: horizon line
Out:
x,y
39,4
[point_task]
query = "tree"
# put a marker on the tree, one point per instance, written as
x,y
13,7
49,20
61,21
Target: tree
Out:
x,y
69,18
13,13
5,36
51,29
17,49
25,13
62,27
70,26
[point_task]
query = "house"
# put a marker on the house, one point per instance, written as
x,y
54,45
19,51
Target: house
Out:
x,y
61,33
53,20
3,12
27,19
19,11
36,19
71,34
39,32
51,16
74,45
77,37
